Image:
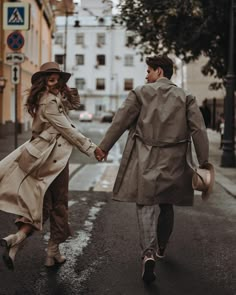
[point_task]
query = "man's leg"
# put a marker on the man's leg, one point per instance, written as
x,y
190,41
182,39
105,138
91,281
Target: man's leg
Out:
x,y
147,223
164,227
147,234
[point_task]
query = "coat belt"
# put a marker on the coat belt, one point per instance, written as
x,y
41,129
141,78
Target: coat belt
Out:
x,y
161,144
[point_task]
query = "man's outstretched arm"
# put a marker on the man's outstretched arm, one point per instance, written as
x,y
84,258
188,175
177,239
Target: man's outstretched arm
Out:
x,y
125,116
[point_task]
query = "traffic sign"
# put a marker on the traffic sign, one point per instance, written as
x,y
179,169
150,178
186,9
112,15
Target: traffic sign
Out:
x,y
15,58
15,40
15,74
16,16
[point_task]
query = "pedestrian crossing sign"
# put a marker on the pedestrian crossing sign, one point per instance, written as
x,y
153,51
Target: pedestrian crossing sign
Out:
x,y
16,16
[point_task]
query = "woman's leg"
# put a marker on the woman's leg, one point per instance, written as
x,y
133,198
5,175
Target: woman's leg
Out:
x,y
13,243
56,202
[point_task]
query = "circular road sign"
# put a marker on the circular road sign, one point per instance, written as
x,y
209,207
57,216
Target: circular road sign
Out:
x,y
15,40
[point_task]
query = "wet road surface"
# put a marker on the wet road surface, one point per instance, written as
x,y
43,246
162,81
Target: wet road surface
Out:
x,y
103,256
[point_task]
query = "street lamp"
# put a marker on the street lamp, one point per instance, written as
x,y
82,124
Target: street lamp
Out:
x,y
2,84
77,25
228,156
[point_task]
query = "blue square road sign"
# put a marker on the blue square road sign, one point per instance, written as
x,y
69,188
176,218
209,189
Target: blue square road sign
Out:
x,y
16,16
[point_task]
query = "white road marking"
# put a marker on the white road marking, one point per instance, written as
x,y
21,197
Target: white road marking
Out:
x,y
86,177
96,177
73,248
73,167
107,180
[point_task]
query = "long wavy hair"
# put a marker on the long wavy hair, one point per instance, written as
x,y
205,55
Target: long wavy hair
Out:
x,y
39,87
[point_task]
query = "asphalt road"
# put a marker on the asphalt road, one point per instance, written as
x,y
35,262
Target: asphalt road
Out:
x,y
200,258
103,256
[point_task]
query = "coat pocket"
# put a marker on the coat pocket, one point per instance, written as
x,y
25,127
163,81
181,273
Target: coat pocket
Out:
x,y
29,157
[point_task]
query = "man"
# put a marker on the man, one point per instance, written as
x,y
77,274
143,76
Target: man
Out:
x,y
161,119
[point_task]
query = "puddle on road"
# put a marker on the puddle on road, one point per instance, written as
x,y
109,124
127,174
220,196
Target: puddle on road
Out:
x,y
71,203
72,249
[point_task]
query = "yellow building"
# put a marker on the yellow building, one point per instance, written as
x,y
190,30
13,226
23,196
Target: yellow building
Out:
x,y
37,49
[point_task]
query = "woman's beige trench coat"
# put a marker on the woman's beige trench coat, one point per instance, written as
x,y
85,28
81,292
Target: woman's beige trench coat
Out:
x,y
27,172
162,118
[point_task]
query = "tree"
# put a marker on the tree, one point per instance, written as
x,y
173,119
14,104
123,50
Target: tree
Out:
x,y
187,28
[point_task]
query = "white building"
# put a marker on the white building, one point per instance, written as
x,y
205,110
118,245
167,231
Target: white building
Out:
x,y
104,69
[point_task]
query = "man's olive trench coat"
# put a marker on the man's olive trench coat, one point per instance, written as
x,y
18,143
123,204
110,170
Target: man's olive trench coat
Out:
x,y
27,172
161,119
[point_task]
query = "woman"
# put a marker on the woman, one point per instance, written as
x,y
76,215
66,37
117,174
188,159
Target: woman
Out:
x,y
34,178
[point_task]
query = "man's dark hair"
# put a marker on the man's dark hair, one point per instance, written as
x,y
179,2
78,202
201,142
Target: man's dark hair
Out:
x,y
162,61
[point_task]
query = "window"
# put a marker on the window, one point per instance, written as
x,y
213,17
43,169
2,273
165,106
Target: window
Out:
x,y
79,59
80,83
101,60
100,108
129,60
129,40
101,39
59,39
59,58
100,84
128,84
79,39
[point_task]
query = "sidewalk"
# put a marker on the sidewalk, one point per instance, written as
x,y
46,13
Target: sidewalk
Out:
x,y
226,177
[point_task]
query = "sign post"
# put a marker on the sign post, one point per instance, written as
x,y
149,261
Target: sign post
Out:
x,y
15,79
16,119
15,74
15,40
16,16
15,58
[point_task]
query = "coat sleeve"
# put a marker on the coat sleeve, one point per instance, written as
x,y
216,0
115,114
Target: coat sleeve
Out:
x,y
124,118
198,130
55,115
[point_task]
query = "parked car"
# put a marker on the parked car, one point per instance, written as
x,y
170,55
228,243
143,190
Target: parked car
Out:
x,y
107,117
85,117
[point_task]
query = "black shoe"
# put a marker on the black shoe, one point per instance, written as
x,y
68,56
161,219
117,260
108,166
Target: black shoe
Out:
x,y
148,273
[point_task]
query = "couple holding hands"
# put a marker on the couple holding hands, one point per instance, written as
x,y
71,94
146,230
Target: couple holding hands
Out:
x,y
161,118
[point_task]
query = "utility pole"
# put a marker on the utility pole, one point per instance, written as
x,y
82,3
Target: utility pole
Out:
x,y
65,41
1,65
228,156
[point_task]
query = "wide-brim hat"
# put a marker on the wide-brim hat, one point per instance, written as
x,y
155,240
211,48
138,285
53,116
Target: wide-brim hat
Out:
x,y
50,68
203,180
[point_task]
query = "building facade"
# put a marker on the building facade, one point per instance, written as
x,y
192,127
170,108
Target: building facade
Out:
x,y
189,76
36,50
86,43
104,68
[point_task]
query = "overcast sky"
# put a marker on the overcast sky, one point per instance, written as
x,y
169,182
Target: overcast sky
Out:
x,y
115,2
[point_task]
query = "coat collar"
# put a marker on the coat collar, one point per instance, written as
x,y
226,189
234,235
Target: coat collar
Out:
x,y
165,81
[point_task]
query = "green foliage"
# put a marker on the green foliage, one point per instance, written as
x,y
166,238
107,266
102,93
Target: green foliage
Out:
x,y
187,28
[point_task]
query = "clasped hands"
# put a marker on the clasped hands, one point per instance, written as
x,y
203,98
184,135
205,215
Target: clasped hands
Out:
x,y
100,155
